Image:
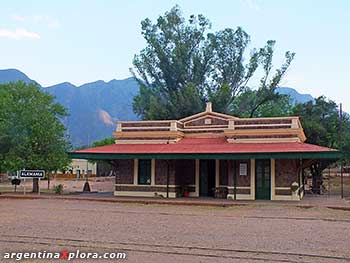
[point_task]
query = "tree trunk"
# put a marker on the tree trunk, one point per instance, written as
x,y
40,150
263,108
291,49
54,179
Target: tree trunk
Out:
x,y
316,172
48,180
316,183
35,185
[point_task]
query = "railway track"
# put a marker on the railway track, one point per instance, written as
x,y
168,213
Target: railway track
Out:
x,y
201,215
173,250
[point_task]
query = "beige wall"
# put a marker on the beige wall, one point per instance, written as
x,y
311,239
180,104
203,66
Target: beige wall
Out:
x,y
275,189
81,164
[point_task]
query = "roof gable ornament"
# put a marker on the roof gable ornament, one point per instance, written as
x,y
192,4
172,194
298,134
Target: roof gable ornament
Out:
x,y
209,107
208,112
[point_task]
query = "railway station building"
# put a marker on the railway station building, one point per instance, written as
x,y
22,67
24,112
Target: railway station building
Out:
x,y
210,154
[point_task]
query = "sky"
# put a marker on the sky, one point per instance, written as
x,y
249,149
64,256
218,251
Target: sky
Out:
x,y
84,41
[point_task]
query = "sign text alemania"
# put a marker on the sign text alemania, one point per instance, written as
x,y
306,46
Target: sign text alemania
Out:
x,y
32,174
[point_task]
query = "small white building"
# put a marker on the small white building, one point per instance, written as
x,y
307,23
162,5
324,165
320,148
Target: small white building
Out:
x,y
80,167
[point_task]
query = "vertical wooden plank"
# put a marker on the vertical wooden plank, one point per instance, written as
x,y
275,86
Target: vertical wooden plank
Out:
x,y
252,178
197,178
153,172
136,171
229,172
273,179
217,173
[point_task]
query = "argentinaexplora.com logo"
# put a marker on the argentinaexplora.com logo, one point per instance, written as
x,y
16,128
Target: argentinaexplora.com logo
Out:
x,y
64,254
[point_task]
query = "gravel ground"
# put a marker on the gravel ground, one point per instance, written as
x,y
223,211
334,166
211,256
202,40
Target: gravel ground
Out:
x,y
161,233
100,184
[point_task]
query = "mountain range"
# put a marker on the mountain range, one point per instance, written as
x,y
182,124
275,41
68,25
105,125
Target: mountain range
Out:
x,y
94,108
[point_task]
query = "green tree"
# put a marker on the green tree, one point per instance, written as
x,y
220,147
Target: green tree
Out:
x,y
35,136
103,142
320,120
182,59
277,106
106,141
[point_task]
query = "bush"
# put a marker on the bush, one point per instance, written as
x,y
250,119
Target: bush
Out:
x,y
294,187
58,189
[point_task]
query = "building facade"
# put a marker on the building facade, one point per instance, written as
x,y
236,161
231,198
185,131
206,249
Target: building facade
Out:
x,y
210,154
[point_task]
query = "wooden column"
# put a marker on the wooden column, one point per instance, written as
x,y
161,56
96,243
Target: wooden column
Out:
x,y
230,172
197,177
273,179
136,171
252,178
217,173
153,172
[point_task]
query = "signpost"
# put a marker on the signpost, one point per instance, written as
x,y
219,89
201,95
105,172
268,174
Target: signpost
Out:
x,y
341,150
31,174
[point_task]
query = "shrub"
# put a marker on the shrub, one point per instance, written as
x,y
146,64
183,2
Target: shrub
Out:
x,y
294,187
58,189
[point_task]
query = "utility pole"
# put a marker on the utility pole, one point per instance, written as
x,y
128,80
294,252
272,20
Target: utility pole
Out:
x,y
341,149
87,187
167,179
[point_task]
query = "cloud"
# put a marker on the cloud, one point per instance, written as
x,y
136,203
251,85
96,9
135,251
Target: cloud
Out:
x,y
105,117
39,19
54,24
18,33
252,4
18,17
47,20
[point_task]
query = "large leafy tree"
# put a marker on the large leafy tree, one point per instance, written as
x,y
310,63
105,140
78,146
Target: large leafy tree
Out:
x,y
106,141
184,65
277,106
321,123
31,130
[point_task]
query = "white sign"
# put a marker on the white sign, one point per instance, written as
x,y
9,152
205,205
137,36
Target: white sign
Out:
x,y
243,169
31,174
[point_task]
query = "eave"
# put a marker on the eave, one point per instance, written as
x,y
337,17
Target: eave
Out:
x,y
219,156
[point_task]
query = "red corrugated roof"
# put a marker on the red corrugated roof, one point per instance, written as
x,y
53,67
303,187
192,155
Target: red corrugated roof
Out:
x,y
207,145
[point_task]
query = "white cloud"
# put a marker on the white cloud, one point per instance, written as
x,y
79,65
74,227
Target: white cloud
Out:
x,y
18,33
54,24
38,19
47,20
252,4
17,17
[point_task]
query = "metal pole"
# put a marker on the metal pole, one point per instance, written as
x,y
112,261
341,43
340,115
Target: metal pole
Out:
x,y
167,180
234,180
341,149
300,176
329,180
341,179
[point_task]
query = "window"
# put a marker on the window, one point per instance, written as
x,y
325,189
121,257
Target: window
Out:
x,y
144,173
243,169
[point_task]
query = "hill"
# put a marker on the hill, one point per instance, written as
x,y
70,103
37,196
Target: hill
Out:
x,y
294,95
95,107
8,75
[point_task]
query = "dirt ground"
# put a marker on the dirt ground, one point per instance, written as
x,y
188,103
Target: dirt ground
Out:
x,y
100,184
106,184
162,233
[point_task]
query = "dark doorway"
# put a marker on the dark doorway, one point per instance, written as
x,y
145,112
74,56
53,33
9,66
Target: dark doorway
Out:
x,y
207,178
263,179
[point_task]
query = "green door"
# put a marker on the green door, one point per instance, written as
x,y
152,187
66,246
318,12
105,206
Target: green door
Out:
x,y
263,179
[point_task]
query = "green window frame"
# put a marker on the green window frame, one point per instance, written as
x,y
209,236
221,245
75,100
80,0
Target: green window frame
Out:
x,y
144,172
